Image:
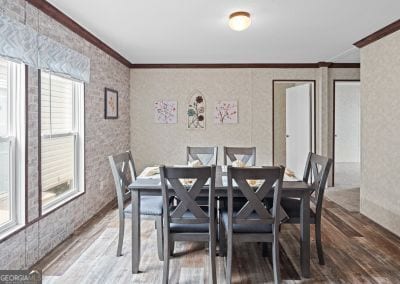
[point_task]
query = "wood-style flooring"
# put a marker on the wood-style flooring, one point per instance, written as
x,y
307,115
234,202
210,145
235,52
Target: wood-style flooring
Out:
x,y
356,251
348,198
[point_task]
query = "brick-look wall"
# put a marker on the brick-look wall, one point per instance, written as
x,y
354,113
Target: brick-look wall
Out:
x,y
102,138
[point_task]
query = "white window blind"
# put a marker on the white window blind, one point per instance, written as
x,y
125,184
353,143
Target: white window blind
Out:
x,y
62,138
12,126
5,149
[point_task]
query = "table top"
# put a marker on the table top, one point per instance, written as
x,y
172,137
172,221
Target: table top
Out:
x,y
152,185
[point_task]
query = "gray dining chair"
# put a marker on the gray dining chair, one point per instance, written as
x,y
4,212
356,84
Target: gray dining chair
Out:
x,y
186,220
123,170
316,173
206,155
253,222
246,154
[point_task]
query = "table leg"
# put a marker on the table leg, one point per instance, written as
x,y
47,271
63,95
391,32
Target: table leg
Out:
x,y
305,235
135,200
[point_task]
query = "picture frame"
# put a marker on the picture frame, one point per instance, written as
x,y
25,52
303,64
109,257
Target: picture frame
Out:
x,y
166,112
196,113
226,112
110,103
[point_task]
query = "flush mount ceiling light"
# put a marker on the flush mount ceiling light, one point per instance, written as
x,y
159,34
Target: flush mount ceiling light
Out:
x,y
239,21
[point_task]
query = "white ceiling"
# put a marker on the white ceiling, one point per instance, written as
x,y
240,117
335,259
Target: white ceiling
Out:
x,y
196,31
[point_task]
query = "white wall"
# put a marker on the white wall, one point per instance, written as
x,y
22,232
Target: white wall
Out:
x,y
347,122
380,135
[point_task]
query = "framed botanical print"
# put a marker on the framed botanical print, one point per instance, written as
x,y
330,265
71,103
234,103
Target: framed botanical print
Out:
x,y
110,104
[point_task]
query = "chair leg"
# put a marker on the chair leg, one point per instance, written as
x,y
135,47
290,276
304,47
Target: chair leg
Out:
x,y
166,257
222,239
171,248
275,258
229,260
266,249
318,241
159,228
212,244
121,234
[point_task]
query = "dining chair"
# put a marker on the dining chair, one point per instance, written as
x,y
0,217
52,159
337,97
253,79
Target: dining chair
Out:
x,y
245,154
187,220
253,222
206,155
123,170
316,173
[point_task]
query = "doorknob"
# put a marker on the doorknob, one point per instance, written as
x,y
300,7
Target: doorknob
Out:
x,y
335,135
287,135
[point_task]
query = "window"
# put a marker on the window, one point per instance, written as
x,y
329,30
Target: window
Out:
x,y
62,139
12,144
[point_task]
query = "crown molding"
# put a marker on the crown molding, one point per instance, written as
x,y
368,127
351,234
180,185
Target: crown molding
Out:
x,y
245,65
69,23
389,29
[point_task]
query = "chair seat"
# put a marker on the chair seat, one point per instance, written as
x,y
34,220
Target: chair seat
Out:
x,y
245,228
190,228
149,205
292,207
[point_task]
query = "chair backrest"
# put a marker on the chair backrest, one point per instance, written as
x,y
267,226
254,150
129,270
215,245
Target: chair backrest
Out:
x,y
206,155
185,185
246,155
316,172
123,170
255,210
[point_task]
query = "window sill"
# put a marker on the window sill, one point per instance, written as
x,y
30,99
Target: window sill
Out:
x,y
11,231
60,204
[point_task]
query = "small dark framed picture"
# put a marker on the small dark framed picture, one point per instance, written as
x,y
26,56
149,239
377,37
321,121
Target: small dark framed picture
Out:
x,y
110,104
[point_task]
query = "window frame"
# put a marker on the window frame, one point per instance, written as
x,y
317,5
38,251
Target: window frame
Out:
x,y
16,139
79,146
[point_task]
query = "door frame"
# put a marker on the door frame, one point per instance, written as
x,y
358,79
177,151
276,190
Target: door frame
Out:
x,y
313,109
334,122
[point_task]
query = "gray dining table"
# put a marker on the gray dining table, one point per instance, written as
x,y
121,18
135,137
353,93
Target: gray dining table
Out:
x,y
294,189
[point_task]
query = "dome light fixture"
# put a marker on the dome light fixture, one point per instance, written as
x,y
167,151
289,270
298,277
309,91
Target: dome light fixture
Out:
x,y
239,21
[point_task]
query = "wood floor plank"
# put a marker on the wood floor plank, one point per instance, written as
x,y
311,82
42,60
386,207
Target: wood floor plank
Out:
x,y
356,251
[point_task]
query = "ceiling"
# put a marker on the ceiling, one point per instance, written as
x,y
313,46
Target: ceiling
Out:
x,y
196,31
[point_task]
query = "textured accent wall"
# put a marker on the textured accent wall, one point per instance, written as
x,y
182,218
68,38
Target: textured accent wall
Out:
x,y
380,138
157,143
102,138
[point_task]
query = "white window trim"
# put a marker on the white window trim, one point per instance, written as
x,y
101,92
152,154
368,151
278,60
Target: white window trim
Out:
x,y
16,138
79,134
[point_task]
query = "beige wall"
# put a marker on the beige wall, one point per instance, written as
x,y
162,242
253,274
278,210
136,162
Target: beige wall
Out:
x,y
102,138
156,143
380,136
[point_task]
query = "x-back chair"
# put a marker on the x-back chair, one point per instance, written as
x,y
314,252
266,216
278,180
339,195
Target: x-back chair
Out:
x,y
316,173
123,170
246,154
253,221
187,220
206,155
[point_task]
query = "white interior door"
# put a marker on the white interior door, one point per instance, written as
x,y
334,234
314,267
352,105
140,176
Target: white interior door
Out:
x,y
298,127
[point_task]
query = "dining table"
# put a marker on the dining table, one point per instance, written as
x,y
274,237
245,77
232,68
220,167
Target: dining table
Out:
x,y
290,189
